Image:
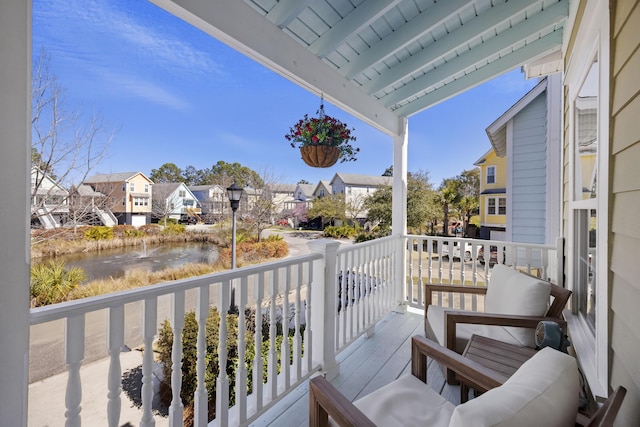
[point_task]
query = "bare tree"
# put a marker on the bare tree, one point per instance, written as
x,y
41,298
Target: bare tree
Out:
x,y
267,203
66,147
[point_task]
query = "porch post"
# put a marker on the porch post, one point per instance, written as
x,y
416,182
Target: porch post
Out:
x,y
324,302
15,137
399,214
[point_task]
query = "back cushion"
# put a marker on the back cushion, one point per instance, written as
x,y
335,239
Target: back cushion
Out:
x,y
543,392
519,294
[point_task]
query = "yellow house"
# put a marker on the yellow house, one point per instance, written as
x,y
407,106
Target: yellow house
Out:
x,y
493,195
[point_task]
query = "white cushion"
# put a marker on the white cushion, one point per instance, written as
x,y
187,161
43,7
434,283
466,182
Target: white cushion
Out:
x,y
519,294
406,402
435,321
543,392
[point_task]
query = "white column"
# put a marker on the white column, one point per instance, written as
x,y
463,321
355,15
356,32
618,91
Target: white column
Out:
x,y
324,297
399,207
15,137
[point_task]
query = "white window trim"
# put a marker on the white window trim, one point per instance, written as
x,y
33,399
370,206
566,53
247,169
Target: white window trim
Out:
x,y
592,38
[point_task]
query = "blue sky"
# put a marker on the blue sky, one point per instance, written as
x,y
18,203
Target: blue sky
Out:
x,y
179,96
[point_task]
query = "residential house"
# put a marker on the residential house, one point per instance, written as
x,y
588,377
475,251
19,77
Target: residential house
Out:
x,y
356,188
283,197
174,200
594,43
49,200
322,189
90,207
523,201
213,201
493,195
303,194
131,192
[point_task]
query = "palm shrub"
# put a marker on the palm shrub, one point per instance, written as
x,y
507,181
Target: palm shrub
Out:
x,y
51,282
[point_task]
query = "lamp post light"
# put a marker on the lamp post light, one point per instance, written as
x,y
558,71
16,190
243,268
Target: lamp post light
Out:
x,y
234,192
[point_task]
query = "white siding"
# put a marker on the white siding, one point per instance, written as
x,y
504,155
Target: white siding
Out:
x,y
528,195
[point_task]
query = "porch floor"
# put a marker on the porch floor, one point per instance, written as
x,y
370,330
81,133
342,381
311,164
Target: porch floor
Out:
x,y
366,365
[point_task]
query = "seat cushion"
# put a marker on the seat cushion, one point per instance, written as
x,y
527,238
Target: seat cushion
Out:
x,y
519,294
543,392
406,402
436,329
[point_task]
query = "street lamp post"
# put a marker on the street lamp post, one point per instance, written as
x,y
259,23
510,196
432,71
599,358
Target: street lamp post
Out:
x,y
234,192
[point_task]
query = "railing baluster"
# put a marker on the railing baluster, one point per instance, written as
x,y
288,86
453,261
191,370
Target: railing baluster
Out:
x,y
241,373
177,319
149,324
258,377
285,349
222,382
115,341
297,344
201,398
74,354
273,355
308,341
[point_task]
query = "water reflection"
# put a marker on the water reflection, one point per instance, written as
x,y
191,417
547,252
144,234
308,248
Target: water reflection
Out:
x,y
118,262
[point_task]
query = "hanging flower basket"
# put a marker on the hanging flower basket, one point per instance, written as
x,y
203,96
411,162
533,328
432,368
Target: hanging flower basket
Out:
x,y
323,140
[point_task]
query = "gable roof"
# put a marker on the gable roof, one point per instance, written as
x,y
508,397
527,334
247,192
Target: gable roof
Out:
x,y
307,189
114,177
362,180
497,131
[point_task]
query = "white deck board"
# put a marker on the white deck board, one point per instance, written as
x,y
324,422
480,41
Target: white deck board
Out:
x,y
366,365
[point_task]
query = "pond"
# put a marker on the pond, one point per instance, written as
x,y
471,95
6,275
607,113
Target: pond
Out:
x,y
118,262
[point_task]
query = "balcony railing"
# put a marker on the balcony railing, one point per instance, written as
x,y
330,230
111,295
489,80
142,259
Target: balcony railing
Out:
x,y
325,300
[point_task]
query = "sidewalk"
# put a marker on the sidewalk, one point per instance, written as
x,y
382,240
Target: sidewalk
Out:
x,y
47,397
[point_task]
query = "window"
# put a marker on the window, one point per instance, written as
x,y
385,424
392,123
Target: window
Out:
x,y
496,206
587,230
132,186
124,201
124,186
491,206
182,193
146,188
491,174
502,206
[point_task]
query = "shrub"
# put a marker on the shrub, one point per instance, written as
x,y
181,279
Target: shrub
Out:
x,y
376,233
121,230
99,232
151,229
51,282
174,229
341,232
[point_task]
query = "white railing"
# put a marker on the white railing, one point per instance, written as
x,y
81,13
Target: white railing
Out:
x,y
468,262
301,296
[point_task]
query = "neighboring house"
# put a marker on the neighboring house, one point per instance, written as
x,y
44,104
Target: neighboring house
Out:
x,y
49,200
322,189
213,201
303,194
356,188
131,192
283,197
527,136
493,195
174,200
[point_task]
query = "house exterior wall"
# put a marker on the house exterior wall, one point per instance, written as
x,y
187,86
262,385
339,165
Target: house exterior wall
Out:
x,y
625,206
526,193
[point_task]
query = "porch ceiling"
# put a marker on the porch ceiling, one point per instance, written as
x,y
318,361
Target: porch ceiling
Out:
x,y
385,59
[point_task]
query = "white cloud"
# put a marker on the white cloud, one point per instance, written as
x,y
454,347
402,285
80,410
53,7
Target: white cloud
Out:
x,y
144,89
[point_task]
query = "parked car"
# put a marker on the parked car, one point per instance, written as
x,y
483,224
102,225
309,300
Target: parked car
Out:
x,y
187,219
468,251
493,256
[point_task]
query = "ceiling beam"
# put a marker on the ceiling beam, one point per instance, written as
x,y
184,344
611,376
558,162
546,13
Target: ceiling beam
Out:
x,y
285,11
236,24
358,19
517,34
458,38
403,36
540,47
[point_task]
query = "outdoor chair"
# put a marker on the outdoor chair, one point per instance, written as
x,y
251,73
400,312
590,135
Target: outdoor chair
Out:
x,y
515,303
542,392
